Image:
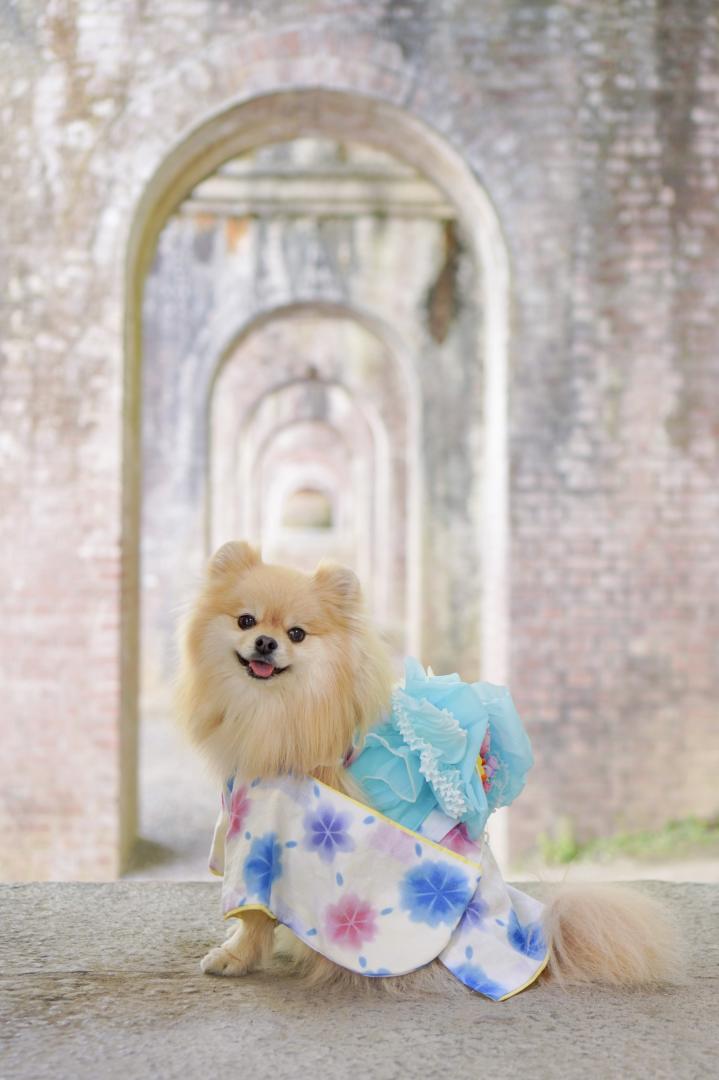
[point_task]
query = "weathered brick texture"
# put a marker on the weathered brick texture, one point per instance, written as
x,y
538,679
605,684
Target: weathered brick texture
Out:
x,y
593,128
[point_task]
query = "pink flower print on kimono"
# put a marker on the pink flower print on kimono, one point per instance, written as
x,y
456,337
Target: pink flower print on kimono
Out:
x,y
237,811
351,921
392,841
458,840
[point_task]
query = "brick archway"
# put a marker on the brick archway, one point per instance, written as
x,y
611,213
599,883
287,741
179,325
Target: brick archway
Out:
x,y
286,115
386,415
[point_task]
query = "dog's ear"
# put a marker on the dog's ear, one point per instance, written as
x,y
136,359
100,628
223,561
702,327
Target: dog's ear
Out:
x,y
233,558
339,583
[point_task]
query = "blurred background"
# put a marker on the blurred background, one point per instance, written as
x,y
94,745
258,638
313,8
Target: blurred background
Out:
x,y
431,289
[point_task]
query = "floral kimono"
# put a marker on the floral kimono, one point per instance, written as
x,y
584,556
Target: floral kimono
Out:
x,y
386,886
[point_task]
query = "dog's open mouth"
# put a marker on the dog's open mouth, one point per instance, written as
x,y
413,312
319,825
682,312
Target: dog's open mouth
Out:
x,y
260,669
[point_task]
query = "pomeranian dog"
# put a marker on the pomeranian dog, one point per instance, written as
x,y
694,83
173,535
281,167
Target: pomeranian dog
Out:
x,y
280,671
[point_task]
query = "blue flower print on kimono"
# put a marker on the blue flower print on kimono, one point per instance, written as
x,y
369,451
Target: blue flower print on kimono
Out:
x,y
327,831
473,976
474,914
450,747
263,866
434,893
527,939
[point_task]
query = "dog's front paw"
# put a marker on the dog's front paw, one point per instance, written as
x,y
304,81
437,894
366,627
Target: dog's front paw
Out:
x,y
221,961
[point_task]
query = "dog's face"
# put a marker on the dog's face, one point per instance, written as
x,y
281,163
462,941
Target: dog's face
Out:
x,y
282,665
270,625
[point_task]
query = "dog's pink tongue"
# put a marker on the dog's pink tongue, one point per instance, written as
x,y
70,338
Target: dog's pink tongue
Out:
x,y
261,669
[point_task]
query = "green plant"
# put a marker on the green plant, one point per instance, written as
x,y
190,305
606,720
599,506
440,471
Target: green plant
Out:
x,y
675,840
562,847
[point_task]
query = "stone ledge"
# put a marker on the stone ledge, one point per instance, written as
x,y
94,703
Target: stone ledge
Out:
x,y
103,981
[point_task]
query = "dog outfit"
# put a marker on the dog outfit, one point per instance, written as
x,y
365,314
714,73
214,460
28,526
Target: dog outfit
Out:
x,y
384,887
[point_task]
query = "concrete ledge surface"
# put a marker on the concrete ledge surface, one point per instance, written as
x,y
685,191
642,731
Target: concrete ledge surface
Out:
x,y
103,981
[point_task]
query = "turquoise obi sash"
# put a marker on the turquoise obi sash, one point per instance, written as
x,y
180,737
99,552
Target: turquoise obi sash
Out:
x,y
449,752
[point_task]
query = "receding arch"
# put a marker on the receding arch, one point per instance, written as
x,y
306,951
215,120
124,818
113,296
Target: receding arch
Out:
x,y
383,448
309,507
244,125
233,333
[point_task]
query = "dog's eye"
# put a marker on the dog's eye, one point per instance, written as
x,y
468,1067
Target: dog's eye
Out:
x,y
246,622
296,634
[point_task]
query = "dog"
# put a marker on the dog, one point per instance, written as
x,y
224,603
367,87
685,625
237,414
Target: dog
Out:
x,y
280,673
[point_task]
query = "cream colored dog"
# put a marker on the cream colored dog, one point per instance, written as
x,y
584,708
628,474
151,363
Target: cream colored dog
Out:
x,y
280,671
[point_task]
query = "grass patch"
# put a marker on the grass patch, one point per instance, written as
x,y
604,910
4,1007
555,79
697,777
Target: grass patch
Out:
x,y
676,840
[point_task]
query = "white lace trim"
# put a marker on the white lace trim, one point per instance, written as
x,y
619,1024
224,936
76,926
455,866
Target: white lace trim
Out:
x,y
446,782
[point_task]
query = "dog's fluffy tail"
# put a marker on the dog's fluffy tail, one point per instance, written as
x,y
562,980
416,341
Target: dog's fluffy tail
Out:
x,y
610,934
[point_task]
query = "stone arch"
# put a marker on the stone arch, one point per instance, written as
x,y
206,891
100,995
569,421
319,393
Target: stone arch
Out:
x,y
269,436
369,451
287,114
394,479
229,332
322,517
316,482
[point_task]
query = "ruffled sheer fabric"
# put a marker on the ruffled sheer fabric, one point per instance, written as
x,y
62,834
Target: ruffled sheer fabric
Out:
x,y
447,745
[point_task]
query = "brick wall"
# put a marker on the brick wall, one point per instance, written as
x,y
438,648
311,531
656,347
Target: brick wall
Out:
x,y
593,129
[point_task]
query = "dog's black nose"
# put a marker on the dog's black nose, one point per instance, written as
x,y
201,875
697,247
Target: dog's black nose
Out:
x,y
265,645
